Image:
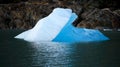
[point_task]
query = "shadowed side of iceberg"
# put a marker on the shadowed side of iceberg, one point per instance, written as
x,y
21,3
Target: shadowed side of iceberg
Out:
x,y
72,34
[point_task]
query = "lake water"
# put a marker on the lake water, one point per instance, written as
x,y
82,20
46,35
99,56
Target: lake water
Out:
x,y
19,53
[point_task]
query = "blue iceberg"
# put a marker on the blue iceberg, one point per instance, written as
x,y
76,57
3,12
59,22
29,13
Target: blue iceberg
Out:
x,y
57,27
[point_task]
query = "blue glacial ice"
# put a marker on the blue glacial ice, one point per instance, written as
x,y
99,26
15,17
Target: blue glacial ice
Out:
x,y
57,27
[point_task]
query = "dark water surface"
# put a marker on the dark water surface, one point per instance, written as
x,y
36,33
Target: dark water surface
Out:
x,y
19,53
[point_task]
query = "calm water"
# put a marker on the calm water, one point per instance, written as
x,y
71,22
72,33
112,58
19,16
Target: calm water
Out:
x,y
19,53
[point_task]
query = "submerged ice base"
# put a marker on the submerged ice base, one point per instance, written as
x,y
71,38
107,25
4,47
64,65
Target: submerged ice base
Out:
x,y
58,27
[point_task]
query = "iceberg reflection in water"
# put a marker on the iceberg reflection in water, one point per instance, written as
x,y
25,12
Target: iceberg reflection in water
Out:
x,y
58,27
50,54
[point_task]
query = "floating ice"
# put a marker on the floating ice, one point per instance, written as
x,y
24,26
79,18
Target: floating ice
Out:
x,y
58,27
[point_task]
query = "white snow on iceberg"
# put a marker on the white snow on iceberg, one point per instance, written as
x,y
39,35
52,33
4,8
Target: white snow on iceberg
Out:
x,y
58,27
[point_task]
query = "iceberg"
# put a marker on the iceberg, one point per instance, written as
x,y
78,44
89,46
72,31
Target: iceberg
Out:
x,y
57,27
